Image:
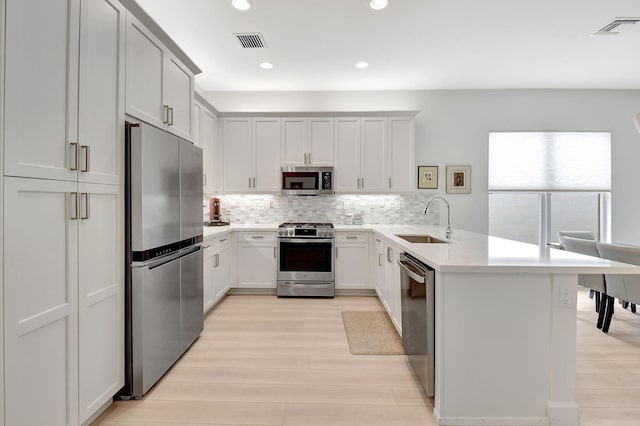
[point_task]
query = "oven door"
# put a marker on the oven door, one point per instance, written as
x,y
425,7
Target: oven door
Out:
x,y
306,259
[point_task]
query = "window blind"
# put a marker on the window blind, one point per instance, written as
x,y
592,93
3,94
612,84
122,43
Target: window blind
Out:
x,y
549,161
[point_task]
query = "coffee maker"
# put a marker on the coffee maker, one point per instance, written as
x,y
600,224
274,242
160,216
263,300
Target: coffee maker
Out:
x,y
214,210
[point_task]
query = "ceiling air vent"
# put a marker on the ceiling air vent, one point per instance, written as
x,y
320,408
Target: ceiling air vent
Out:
x,y
251,40
617,26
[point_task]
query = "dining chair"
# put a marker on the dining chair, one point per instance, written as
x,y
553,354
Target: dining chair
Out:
x,y
624,287
595,282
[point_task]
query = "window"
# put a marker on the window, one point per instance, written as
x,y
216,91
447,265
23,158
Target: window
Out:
x,y
544,182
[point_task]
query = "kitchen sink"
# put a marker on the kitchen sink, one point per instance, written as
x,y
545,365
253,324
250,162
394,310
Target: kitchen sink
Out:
x,y
421,239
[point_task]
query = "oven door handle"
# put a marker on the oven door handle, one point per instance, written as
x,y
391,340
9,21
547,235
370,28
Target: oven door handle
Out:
x,y
305,240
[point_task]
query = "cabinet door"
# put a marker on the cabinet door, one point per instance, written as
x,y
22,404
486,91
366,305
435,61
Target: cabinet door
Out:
x,y
40,302
197,124
101,295
266,132
41,88
256,265
378,266
373,164
352,266
294,141
347,155
222,283
208,266
320,137
101,93
395,288
387,290
209,154
178,96
400,154
238,154
144,59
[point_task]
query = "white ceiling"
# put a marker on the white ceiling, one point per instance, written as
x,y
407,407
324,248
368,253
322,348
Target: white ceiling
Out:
x,y
412,44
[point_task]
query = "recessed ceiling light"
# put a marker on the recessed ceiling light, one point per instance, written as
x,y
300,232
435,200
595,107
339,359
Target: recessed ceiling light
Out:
x,y
266,65
242,4
378,4
362,65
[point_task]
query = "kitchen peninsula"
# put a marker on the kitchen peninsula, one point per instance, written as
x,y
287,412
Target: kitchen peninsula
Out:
x,y
505,323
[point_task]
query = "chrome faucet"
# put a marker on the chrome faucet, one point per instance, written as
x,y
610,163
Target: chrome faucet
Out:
x,y
439,197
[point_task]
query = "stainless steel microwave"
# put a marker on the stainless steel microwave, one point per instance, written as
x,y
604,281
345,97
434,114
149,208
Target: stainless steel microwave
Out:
x,y
307,180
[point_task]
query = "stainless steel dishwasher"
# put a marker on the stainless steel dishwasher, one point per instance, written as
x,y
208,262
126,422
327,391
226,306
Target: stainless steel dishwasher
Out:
x,y
418,317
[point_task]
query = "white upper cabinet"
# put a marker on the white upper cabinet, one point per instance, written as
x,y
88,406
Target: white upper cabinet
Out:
x,y
101,93
401,165
41,88
210,151
266,138
360,150
347,161
251,154
238,154
178,96
159,88
374,154
373,147
197,123
307,141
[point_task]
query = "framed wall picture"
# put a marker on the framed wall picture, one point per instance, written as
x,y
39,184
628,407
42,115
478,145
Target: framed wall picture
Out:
x,y
427,177
458,179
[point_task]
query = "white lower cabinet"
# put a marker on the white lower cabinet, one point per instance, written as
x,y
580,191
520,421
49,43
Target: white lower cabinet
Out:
x,y
352,260
64,314
256,259
217,262
377,264
391,288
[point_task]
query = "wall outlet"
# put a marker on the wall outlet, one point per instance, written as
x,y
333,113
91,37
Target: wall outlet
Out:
x,y
565,298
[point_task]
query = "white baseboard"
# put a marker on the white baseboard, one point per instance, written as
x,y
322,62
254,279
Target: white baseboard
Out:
x,y
563,414
490,421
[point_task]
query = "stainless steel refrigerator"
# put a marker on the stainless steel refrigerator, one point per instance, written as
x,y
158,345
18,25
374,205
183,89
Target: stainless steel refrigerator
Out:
x,y
163,224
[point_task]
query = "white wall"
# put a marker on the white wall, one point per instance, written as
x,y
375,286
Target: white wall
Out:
x,y
453,127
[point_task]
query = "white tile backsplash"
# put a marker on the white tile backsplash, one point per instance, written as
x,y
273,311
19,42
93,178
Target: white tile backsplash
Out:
x,y
376,209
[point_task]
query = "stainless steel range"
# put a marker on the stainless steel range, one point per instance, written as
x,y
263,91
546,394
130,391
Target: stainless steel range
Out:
x,y
306,260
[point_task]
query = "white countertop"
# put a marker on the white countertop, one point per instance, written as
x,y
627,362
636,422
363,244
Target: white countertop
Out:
x,y
471,252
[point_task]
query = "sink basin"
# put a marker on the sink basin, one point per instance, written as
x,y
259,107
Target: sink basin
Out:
x,y
421,239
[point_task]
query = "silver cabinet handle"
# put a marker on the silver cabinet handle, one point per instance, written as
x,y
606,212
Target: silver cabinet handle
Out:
x,y
249,182
204,178
170,123
379,259
362,183
389,182
254,182
305,158
73,156
223,240
165,114
358,183
377,240
216,260
337,252
73,205
350,237
389,254
257,237
87,156
274,252
309,155
87,204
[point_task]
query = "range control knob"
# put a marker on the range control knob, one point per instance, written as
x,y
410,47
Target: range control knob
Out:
x,y
291,232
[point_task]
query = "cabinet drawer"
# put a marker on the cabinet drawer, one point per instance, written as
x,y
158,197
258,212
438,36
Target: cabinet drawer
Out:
x,y
257,237
217,241
352,237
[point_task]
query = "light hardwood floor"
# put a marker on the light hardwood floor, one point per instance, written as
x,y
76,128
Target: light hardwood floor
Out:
x,y
268,361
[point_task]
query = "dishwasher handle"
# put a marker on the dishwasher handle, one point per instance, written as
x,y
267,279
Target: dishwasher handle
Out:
x,y
417,278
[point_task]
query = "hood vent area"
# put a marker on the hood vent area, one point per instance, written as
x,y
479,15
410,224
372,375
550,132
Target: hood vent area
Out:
x,y
251,40
617,26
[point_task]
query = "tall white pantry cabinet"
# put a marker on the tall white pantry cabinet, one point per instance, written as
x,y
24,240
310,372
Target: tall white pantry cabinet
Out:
x,y
63,278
